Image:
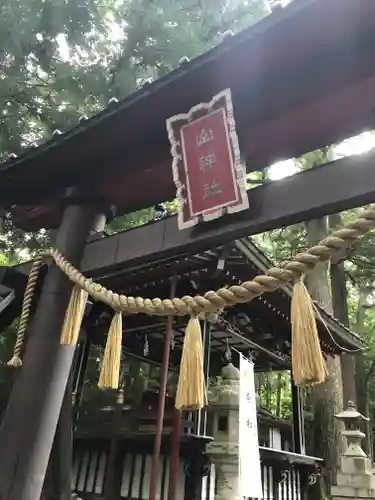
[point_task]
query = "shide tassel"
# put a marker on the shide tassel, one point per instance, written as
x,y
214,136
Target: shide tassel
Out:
x,y
191,385
110,370
73,316
308,364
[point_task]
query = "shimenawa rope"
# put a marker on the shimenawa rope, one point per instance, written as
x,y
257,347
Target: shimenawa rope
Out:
x,y
211,300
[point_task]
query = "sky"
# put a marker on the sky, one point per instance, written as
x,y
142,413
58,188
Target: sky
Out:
x,y
353,146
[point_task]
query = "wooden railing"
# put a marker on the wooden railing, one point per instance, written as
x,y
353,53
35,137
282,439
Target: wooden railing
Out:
x,y
288,488
285,475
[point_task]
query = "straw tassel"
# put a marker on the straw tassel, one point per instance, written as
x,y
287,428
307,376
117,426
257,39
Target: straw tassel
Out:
x,y
110,370
308,364
73,316
191,384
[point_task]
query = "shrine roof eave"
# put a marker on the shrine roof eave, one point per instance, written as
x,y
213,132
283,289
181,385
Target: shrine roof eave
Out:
x,y
337,331
286,97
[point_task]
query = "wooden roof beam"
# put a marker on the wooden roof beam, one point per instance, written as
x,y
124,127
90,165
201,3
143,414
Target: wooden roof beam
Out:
x,y
327,189
330,188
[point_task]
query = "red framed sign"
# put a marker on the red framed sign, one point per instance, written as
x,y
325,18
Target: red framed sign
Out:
x,y
207,169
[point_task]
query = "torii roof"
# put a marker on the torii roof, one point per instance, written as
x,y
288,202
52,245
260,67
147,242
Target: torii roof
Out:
x,y
300,79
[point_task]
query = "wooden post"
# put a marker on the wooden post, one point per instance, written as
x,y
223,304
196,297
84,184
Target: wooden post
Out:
x,y
58,480
30,421
196,467
110,492
79,377
161,406
207,354
298,421
61,459
175,455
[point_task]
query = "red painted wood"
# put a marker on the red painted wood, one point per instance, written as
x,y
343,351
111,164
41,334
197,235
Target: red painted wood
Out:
x,y
161,407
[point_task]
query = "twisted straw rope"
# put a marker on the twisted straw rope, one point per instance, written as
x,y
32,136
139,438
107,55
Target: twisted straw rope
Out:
x,y
211,300
26,308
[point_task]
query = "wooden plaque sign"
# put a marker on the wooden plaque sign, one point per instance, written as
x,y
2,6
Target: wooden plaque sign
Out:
x,y
207,169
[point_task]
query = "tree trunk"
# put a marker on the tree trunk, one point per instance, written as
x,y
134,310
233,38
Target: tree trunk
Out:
x,y
268,392
279,394
326,398
340,312
362,376
360,361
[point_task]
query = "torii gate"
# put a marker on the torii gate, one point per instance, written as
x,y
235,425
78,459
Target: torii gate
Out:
x,y
301,79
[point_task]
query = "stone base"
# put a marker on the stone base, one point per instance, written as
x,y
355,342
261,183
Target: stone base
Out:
x,y
355,465
348,492
354,487
355,479
364,481
227,478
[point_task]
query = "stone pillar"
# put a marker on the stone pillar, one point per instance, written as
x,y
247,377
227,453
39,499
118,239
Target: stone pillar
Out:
x,y
355,478
223,450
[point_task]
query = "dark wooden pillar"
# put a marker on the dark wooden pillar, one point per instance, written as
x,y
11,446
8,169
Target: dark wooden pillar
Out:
x,y
61,458
110,486
197,466
175,455
29,424
58,480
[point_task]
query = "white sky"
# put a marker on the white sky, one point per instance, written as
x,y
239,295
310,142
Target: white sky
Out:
x,y
353,146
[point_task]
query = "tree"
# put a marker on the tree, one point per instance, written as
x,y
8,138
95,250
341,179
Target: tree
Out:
x,y
341,313
364,368
326,398
41,91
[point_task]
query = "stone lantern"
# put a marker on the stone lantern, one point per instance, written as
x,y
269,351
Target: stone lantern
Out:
x,y
223,450
355,479
352,419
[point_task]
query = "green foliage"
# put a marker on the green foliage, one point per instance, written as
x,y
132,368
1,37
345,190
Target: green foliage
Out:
x,y
275,393
130,221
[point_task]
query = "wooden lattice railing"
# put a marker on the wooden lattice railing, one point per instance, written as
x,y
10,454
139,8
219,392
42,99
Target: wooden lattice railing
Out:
x,y
284,475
